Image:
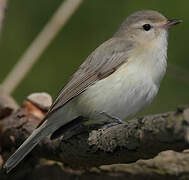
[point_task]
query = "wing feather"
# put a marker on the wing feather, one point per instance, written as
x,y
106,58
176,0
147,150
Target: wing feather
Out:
x,y
105,60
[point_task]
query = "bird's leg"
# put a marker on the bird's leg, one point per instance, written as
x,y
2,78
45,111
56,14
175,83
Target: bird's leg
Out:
x,y
112,119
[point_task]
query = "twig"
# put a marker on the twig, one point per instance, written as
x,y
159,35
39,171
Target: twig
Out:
x,y
3,5
58,20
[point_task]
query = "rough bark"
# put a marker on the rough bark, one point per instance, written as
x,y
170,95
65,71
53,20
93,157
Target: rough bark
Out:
x,y
97,149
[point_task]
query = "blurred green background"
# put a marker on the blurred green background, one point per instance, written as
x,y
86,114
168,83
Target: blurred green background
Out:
x,y
93,23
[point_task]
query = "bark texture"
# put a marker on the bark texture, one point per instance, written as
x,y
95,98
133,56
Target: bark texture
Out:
x,y
85,151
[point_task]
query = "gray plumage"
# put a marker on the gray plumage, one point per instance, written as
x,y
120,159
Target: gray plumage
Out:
x,y
104,61
113,53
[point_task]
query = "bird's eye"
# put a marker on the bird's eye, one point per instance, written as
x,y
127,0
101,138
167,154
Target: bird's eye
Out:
x,y
147,27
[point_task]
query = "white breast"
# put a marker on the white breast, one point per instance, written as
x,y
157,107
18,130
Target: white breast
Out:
x,y
129,89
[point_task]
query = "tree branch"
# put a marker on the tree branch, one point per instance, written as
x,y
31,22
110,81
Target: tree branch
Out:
x,y
142,138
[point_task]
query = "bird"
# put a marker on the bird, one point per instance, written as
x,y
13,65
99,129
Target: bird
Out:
x,y
118,79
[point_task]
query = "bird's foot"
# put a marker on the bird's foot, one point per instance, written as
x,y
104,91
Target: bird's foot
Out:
x,y
110,120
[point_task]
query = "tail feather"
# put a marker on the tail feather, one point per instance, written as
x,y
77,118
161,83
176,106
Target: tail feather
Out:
x,y
58,119
37,135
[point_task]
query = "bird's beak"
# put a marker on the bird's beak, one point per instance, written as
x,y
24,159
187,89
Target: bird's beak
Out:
x,y
171,23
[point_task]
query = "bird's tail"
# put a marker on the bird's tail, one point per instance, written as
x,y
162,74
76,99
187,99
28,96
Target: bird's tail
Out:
x,y
38,134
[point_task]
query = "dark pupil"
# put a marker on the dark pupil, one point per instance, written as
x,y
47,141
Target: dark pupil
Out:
x,y
147,27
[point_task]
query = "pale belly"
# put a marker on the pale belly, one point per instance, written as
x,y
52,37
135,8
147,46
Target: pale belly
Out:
x,y
122,94
128,90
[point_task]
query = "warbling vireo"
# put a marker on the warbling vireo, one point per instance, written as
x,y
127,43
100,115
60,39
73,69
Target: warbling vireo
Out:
x,y
118,79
